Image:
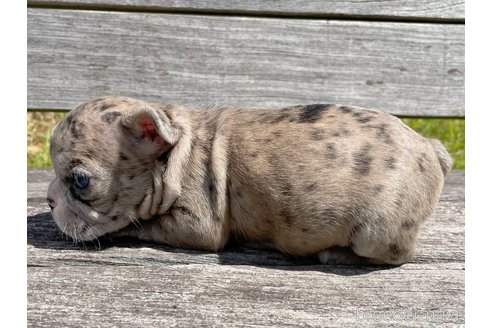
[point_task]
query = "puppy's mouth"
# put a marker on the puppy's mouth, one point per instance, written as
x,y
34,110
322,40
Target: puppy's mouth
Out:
x,y
85,224
77,228
80,221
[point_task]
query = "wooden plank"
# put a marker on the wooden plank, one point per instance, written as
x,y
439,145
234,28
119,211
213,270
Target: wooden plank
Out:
x,y
421,9
402,68
190,295
130,284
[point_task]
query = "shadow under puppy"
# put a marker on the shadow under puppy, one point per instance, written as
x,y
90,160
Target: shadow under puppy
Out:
x,y
345,183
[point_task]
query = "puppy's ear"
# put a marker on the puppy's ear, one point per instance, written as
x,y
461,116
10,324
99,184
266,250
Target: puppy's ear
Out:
x,y
150,131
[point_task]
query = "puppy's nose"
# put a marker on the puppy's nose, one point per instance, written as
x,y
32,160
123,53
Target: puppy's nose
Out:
x,y
51,203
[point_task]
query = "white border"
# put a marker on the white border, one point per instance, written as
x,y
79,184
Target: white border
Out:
x,y
13,185
478,88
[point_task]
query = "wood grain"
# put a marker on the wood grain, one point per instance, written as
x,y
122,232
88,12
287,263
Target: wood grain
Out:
x,y
133,284
420,9
411,69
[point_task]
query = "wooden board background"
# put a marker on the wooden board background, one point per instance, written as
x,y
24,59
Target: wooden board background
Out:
x,y
133,284
405,68
404,57
426,10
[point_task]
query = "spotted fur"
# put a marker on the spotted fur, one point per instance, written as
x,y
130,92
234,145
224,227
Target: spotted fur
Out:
x,y
338,181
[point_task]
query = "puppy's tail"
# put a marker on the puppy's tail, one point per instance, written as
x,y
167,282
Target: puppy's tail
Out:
x,y
442,154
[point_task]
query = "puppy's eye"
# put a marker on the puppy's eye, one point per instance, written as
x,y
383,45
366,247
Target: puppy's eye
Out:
x,y
81,180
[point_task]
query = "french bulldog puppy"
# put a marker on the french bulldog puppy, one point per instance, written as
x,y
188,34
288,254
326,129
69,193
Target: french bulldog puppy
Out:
x,y
344,183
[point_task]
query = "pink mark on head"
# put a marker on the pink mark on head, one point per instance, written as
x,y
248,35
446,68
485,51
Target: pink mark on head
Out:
x,y
149,130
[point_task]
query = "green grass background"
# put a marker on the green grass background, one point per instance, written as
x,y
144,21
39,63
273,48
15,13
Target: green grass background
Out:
x,y
39,125
450,131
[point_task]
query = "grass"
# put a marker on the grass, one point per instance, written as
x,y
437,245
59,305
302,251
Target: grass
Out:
x,y
450,131
39,125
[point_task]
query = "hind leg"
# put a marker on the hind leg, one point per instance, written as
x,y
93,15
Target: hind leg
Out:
x,y
373,246
385,246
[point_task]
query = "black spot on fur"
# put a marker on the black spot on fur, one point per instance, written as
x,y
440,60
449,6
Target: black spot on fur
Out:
x,y
123,157
103,107
382,133
114,218
408,225
390,163
305,230
342,131
281,117
317,134
131,177
110,117
312,113
363,160
401,197
378,189
277,134
90,153
286,189
346,109
311,187
394,250
69,119
365,119
331,152
420,162
381,129
74,162
77,129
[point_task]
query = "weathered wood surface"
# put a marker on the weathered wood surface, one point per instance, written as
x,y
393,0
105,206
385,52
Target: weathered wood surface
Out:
x,y
399,9
133,284
414,69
